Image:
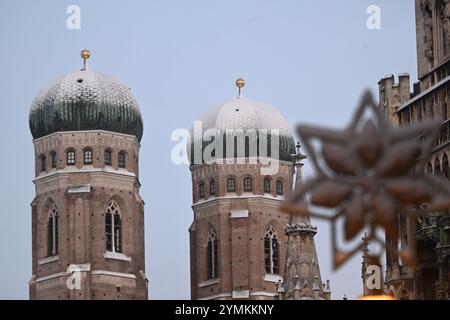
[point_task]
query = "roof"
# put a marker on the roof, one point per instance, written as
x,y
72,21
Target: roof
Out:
x,y
85,100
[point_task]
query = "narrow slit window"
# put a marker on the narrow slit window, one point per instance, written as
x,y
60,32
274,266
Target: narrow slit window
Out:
x,y
52,230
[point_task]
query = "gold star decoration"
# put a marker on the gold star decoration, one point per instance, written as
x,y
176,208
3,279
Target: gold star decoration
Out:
x,y
368,174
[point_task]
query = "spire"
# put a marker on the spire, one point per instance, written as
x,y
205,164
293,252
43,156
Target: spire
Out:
x,y
85,54
302,273
240,83
297,158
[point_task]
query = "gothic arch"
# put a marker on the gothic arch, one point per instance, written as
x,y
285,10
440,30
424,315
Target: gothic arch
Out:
x,y
445,166
47,204
49,218
276,225
113,227
118,199
429,168
437,167
272,259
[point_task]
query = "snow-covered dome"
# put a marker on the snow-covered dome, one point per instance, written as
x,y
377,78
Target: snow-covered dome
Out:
x,y
245,114
85,100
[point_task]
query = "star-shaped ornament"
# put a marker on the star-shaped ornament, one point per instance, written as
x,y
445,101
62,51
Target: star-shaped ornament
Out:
x,y
368,174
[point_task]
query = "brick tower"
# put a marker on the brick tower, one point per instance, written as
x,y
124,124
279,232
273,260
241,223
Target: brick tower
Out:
x,y
87,216
237,240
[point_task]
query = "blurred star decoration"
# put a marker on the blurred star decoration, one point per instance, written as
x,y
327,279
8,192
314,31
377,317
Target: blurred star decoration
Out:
x,y
368,174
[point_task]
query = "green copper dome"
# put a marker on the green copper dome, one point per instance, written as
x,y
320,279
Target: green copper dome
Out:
x,y
85,100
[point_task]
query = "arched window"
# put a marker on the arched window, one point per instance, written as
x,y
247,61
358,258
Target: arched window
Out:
x,y
113,230
280,188
43,163
121,160
212,188
54,159
52,231
71,157
231,185
248,184
271,251
437,167
445,168
108,158
266,185
212,256
88,156
201,190
429,168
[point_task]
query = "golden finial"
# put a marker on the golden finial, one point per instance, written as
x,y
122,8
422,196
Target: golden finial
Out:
x,y
85,54
240,83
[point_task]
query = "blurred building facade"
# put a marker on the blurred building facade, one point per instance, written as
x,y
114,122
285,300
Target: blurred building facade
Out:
x,y
402,105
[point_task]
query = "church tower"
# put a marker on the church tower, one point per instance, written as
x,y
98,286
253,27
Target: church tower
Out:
x,y
240,154
87,216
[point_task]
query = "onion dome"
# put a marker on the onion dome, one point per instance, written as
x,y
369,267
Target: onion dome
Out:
x,y
85,100
241,113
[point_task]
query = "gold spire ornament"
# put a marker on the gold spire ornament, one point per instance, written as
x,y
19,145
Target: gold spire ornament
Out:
x,y
240,83
85,54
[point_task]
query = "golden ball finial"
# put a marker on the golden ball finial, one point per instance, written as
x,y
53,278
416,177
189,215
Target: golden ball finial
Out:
x,y
85,54
240,83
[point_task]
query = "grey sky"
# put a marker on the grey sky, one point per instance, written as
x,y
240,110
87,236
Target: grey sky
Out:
x,y
309,59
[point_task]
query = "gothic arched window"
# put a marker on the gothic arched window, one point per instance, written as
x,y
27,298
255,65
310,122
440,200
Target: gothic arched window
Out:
x,y
271,251
280,188
70,157
266,185
437,167
231,185
201,190
88,156
52,231
108,158
113,228
445,167
212,187
54,159
212,256
429,168
248,184
121,159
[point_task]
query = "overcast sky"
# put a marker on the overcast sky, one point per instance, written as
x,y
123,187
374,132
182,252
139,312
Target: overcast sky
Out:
x,y
309,59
